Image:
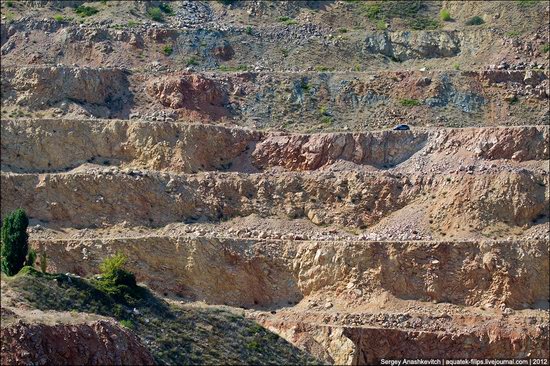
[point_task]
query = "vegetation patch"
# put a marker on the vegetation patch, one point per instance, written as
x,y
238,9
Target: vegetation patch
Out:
x,y
528,3
445,15
173,335
381,24
9,16
326,117
167,50
233,68
155,14
59,18
383,11
166,8
287,20
410,102
14,250
477,20
192,61
322,68
513,100
423,23
85,11
391,9
513,34
304,85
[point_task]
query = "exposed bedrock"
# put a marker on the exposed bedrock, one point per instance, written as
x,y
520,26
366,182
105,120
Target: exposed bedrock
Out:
x,y
353,199
59,145
266,273
56,145
304,101
97,343
404,45
98,92
368,345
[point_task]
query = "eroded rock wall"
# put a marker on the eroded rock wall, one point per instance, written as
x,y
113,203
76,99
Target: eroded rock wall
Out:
x,y
260,273
97,343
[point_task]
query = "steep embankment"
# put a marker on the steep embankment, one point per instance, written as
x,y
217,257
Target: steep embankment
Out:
x,y
155,331
98,343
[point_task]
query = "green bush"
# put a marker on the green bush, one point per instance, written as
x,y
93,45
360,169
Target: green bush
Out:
x,y
31,258
121,277
166,8
167,50
381,25
192,61
392,9
85,11
115,280
248,30
423,23
155,14
444,15
410,102
402,9
513,100
514,33
320,68
287,20
43,261
545,48
9,4
253,345
324,113
15,244
371,10
326,120
127,324
113,263
477,20
59,18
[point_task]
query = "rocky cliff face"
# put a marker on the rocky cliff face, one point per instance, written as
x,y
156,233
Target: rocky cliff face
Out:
x,y
369,344
285,101
248,272
79,200
407,45
100,92
97,343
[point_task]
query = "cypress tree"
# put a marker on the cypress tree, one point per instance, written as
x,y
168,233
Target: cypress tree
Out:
x,y
14,242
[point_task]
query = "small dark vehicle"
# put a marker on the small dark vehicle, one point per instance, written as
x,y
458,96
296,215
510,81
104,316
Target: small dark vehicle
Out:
x,y
401,128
